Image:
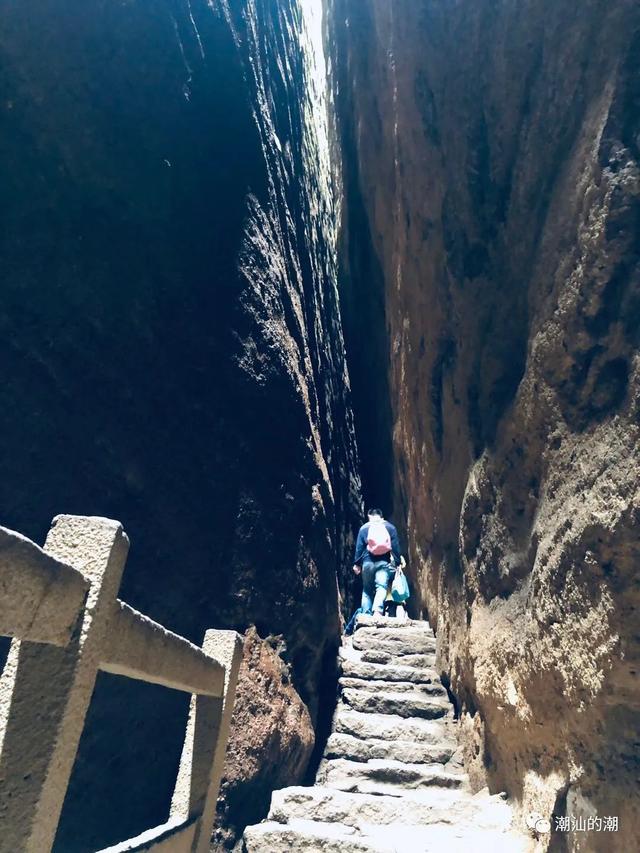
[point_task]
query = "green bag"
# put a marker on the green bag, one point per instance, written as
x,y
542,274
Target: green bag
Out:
x,y
400,587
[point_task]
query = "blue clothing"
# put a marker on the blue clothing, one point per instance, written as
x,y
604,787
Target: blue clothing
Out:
x,y
350,627
375,582
361,545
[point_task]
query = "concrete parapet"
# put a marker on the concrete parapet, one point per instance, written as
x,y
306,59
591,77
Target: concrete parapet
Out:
x,y
202,759
140,648
60,606
40,597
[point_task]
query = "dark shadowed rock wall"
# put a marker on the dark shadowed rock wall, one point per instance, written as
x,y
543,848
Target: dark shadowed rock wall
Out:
x,y
172,355
492,152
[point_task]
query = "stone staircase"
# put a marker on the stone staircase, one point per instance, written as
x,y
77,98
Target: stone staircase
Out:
x,y
391,780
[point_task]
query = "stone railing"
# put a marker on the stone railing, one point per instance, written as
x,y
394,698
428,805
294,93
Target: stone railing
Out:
x,y
60,606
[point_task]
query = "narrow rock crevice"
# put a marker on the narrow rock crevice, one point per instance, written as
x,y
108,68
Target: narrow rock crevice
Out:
x,y
496,156
261,266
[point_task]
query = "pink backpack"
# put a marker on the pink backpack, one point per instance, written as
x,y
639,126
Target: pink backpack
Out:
x,y
378,539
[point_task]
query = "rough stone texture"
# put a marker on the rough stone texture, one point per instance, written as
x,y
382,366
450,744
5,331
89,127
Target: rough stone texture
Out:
x,y
395,645
385,776
491,164
420,662
304,835
171,342
40,598
416,674
138,647
430,688
441,806
348,746
402,704
270,742
392,726
370,621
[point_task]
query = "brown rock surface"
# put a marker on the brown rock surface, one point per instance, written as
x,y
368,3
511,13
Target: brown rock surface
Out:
x,y
491,163
171,345
271,737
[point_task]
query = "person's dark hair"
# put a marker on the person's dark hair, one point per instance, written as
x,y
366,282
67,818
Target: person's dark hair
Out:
x,y
375,512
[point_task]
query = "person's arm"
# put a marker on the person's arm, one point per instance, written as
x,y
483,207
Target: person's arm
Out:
x,y
395,543
361,544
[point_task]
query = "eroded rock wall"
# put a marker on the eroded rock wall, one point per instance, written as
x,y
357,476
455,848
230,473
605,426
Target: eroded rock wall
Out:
x,y
496,149
271,741
172,352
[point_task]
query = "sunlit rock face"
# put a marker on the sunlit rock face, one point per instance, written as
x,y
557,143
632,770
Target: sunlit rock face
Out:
x,y
494,149
171,343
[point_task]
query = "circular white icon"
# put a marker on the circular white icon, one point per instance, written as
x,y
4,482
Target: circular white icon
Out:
x,y
538,823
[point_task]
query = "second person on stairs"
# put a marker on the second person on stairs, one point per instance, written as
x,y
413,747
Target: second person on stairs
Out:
x,y
376,556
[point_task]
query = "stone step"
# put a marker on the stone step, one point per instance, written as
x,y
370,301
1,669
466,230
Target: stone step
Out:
x,y
423,661
402,704
305,835
405,635
393,642
391,726
433,805
428,688
385,776
342,745
382,672
272,837
407,838
392,624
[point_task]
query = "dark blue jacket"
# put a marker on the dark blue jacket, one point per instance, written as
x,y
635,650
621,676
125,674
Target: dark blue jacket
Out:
x,y
361,544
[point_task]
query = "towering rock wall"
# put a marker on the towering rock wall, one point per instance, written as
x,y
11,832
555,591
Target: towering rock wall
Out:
x,y
172,357
493,156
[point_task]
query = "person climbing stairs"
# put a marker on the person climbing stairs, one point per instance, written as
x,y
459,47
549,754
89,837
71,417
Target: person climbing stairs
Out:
x,y
391,778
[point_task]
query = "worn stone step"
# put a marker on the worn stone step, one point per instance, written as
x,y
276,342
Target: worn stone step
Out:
x,y
342,745
452,839
393,642
371,656
415,660
428,806
402,704
422,661
399,657
315,837
396,648
424,688
385,776
306,835
395,635
391,726
392,624
382,672
462,838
